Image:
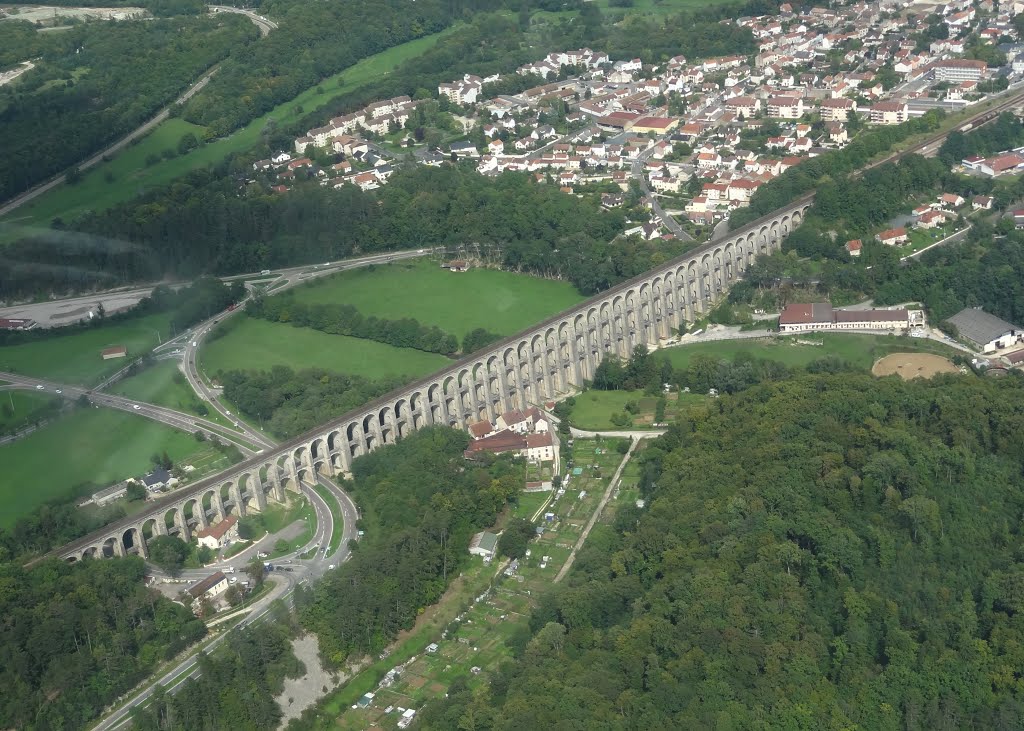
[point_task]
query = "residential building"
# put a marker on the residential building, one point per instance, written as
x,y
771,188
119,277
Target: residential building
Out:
x,y
889,113
785,107
837,110
217,535
958,69
854,247
893,236
209,588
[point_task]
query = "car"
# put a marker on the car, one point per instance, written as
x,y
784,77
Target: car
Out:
x,y
233,580
419,251
39,387
59,391
229,569
136,407
331,567
265,272
194,343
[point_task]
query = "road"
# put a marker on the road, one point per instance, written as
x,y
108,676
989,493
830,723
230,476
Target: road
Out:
x,y
637,172
262,23
113,149
179,420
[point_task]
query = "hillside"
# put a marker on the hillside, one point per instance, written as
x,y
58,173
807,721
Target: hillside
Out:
x,y
826,552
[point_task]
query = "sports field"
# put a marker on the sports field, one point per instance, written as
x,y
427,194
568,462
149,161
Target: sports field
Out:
x,y
860,350
100,446
259,345
501,302
76,358
132,176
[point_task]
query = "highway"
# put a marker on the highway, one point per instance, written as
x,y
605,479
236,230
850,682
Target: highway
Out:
x,y
262,23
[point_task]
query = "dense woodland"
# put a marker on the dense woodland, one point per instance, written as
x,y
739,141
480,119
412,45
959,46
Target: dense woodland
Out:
x,y
202,224
94,83
825,552
341,319
236,687
75,637
289,403
420,503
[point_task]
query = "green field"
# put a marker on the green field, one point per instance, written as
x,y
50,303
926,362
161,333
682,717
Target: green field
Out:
x,y
131,176
501,302
593,409
90,445
860,350
258,344
18,408
75,358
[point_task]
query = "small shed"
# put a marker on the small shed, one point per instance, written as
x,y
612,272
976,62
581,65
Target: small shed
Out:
x,y
116,351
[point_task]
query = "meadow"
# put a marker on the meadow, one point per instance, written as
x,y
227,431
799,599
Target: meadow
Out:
x,y
251,344
501,302
75,357
20,408
129,175
97,446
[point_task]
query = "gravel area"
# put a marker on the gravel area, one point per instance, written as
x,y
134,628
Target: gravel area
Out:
x,y
301,693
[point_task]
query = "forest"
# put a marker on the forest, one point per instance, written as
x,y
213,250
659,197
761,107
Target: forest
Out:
x,y
77,636
95,82
831,551
289,403
341,319
203,225
420,502
237,684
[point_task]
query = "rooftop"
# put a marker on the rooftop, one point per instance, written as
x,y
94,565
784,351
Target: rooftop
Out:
x,y
979,326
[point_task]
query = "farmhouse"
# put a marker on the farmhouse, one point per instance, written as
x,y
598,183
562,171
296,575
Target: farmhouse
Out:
x,y
987,332
892,237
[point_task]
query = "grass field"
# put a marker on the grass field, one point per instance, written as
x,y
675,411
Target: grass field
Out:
x,y
258,344
593,409
164,385
18,408
132,176
75,358
90,445
860,350
501,302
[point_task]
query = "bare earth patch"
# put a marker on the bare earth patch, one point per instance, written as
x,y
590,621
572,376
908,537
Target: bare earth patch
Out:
x,y
913,365
300,693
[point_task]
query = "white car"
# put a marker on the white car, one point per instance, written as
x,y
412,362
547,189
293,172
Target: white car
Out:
x,y
233,580
39,387
331,567
59,391
136,407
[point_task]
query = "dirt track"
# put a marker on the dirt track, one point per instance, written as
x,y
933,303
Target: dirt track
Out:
x,y
913,365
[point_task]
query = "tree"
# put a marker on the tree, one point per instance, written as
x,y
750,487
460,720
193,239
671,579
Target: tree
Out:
x,y
515,538
135,491
169,553
255,571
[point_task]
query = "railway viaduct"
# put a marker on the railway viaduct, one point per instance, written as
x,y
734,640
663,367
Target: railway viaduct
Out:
x,y
536,365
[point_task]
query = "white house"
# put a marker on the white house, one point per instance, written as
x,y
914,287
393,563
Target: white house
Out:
x,y
215,536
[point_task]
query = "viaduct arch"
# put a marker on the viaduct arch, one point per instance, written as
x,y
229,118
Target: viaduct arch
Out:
x,y
535,365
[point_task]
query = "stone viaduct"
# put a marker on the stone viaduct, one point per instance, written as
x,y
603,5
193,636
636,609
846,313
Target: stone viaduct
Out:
x,y
531,367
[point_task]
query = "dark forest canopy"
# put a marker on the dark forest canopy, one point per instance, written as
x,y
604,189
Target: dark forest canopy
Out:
x,y
827,552
75,637
203,224
421,502
94,83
